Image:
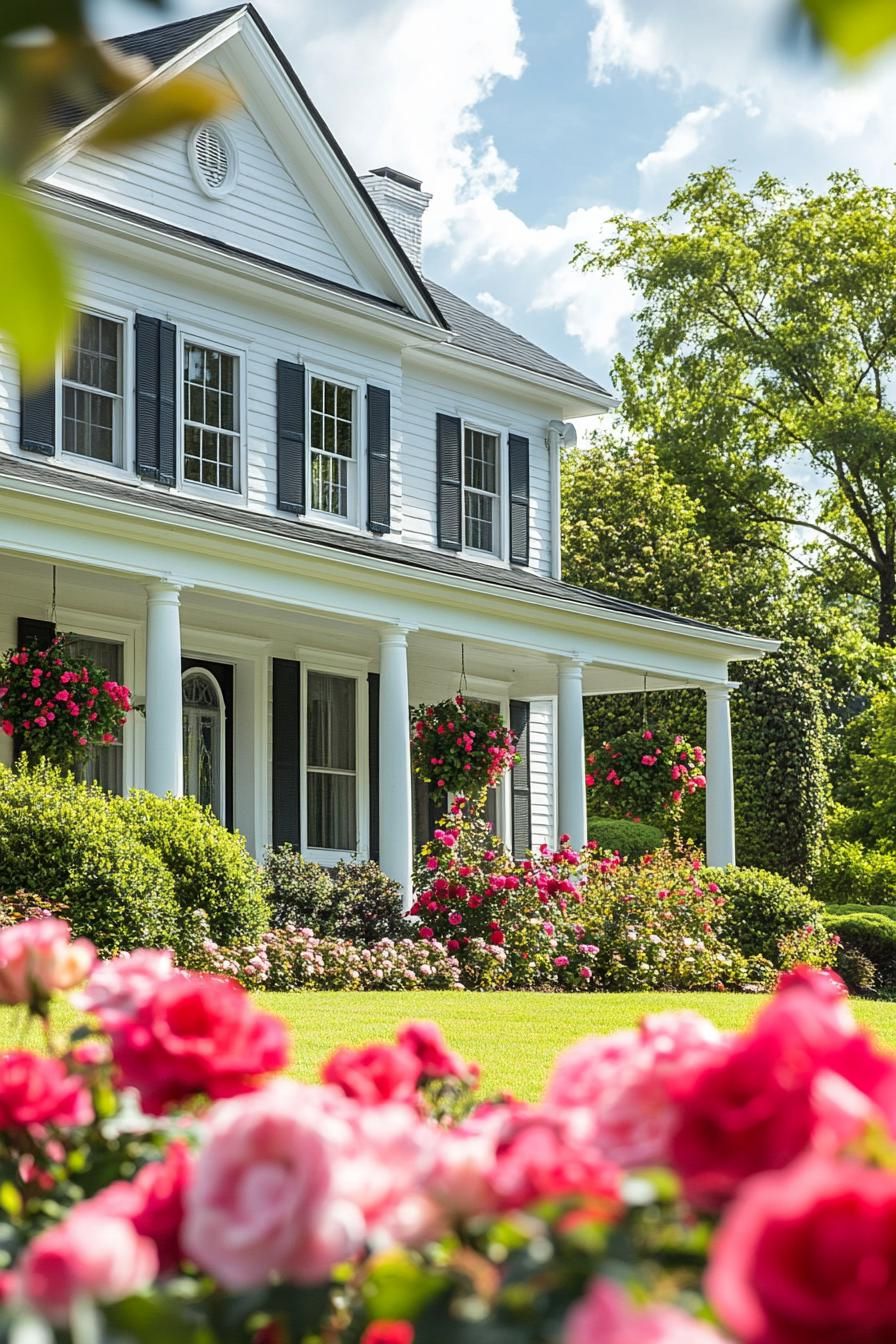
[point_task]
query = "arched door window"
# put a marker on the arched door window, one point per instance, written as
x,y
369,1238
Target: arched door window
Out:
x,y
203,711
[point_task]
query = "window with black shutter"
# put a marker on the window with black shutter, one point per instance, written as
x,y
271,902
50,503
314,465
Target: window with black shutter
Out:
x,y
155,359
290,436
520,782
379,459
518,474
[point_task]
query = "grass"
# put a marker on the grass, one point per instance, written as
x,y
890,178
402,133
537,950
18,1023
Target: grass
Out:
x,y
513,1037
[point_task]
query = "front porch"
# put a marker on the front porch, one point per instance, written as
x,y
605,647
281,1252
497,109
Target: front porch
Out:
x,y
295,724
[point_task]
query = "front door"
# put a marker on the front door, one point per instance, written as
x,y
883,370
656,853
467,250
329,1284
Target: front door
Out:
x,y
207,690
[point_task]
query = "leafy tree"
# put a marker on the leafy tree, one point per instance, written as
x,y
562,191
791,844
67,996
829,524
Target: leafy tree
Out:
x,y
767,333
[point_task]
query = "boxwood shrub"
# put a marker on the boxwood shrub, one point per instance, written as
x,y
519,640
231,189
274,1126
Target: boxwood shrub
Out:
x,y
301,891
211,868
630,839
874,936
62,841
760,909
848,873
851,909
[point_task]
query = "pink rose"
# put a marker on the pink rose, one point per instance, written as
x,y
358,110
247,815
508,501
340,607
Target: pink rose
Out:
x,y
92,1255
38,957
425,1041
606,1314
118,988
809,1254
197,1034
621,1083
153,1202
264,1199
374,1073
37,1092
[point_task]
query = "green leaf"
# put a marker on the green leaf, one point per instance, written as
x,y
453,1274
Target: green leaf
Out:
x,y
399,1287
33,297
10,1199
855,28
186,99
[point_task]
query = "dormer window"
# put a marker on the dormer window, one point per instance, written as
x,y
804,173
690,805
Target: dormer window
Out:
x,y
333,450
92,390
481,490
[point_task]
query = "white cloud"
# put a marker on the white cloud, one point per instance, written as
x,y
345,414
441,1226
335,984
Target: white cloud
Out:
x,y
682,141
501,312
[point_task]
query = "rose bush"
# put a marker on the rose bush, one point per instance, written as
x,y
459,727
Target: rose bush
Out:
x,y
673,1186
461,746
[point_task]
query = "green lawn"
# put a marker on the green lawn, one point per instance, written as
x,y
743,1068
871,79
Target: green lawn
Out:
x,y
514,1037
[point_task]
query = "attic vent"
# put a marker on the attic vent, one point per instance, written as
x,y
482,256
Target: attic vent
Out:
x,y
213,159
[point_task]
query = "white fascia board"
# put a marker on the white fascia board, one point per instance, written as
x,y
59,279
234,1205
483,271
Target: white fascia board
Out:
x,y
576,401
228,540
69,144
81,213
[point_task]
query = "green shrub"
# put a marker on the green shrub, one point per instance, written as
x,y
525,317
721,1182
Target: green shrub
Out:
x,y
366,904
848,873
857,971
760,909
888,910
301,892
875,937
64,842
211,867
629,839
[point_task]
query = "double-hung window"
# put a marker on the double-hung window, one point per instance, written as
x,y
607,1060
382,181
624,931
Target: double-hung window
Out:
x,y
92,409
104,765
333,449
211,417
481,490
331,763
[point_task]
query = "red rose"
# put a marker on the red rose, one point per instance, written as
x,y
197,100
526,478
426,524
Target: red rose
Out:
x,y
153,1202
36,1092
809,1254
425,1041
197,1033
374,1074
388,1332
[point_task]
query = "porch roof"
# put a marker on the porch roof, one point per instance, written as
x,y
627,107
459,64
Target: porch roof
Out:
x,y
136,497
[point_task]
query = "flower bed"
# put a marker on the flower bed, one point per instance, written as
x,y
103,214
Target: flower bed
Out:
x,y
673,1184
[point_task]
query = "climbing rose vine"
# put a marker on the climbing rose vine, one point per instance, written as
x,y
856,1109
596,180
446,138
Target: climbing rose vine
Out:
x,y
642,772
162,1179
462,746
58,703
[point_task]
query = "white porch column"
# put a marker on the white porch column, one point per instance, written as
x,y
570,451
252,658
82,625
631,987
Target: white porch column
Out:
x,y
164,697
572,814
396,835
719,778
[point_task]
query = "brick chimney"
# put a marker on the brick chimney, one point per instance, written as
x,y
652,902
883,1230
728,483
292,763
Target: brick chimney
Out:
x,y
401,202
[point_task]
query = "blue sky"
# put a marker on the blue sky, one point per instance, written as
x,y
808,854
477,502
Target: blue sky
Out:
x,y
533,121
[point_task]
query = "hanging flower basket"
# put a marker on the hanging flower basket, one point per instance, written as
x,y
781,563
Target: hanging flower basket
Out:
x,y
642,773
59,704
461,746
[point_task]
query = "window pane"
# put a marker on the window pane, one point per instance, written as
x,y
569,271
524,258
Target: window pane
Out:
x,y
479,530
331,721
88,424
104,765
211,456
332,812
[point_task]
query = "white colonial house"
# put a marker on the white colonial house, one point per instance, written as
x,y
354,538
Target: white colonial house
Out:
x,y
285,487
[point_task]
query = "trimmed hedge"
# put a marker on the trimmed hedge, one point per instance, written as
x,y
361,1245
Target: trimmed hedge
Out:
x,y
888,910
874,936
630,839
760,909
848,873
211,868
62,841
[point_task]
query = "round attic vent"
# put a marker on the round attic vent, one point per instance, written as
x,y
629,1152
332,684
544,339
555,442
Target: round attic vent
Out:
x,y
213,159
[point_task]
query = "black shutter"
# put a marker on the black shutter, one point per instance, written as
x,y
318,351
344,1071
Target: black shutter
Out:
x,y
520,787
290,436
37,430
156,386
448,468
379,459
518,471
373,760
286,826
428,811
31,634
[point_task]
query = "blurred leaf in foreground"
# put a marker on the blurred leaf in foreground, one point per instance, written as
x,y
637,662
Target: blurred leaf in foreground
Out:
x,y
854,28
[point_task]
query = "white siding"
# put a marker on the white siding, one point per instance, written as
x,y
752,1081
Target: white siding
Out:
x,y
541,771
427,394
266,212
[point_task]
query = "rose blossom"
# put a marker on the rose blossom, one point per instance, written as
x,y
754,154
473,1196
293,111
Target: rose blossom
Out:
x,y
388,1332
809,1254
197,1033
374,1073
119,987
154,1202
622,1082
264,1200
36,1092
426,1042
91,1255
38,957
606,1314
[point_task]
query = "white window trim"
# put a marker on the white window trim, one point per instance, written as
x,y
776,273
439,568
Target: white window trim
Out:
x,y
117,630
499,555
208,340
337,665
221,811
357,511
124,469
